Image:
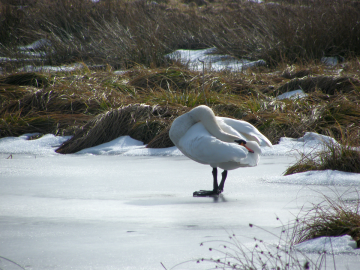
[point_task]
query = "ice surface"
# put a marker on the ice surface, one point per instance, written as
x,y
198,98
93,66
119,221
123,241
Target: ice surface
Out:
x,y
123,206
329,245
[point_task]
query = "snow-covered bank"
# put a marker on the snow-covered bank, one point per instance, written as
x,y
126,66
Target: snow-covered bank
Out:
x,y
327,178
330,245
45,145
125,145
311,142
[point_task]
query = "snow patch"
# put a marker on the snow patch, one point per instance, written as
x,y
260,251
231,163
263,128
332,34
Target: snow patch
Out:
x,y
125,145
47,144
330,245
171,151
310,142
292,95
212,61
326,177
36,45
332,61
114,147
30,68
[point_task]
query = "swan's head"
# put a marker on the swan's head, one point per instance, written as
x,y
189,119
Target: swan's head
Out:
x,y
243,143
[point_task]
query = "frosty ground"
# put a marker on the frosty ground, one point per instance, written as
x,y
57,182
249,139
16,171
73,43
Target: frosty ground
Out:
x,y
122,206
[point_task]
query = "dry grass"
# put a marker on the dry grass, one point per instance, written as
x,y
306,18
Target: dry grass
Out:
x,y
125,33
58,105
26,79
325,84
62,102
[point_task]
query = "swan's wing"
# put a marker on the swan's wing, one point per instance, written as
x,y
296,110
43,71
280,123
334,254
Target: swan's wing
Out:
x,y
247,130
199,145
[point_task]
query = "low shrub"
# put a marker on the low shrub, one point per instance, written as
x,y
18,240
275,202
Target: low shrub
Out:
x,y
28,78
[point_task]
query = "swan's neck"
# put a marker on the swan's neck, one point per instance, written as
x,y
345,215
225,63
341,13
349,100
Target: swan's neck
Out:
x,y
201,114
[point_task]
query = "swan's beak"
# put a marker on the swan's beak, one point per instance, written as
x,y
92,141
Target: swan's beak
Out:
x,y
251,151
243,143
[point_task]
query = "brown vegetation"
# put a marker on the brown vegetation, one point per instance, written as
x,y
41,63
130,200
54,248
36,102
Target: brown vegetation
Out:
x,y
63,103
124,33
141,122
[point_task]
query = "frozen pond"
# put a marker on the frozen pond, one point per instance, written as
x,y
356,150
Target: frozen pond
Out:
x,y
86,211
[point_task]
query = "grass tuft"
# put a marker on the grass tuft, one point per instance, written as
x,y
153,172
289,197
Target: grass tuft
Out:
x,y
26,79
334,156
331,217
140,121
326,84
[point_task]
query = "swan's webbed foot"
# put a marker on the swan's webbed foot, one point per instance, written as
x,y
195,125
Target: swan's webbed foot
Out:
x,y
217,188
206,193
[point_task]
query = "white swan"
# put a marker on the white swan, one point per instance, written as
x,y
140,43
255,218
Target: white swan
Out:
x,y
218,141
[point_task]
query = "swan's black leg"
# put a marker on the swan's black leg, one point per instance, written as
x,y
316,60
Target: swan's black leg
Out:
x,y
215,185
222,183
216,189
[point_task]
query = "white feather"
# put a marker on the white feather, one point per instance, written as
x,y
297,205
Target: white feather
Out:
x,y
208,139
